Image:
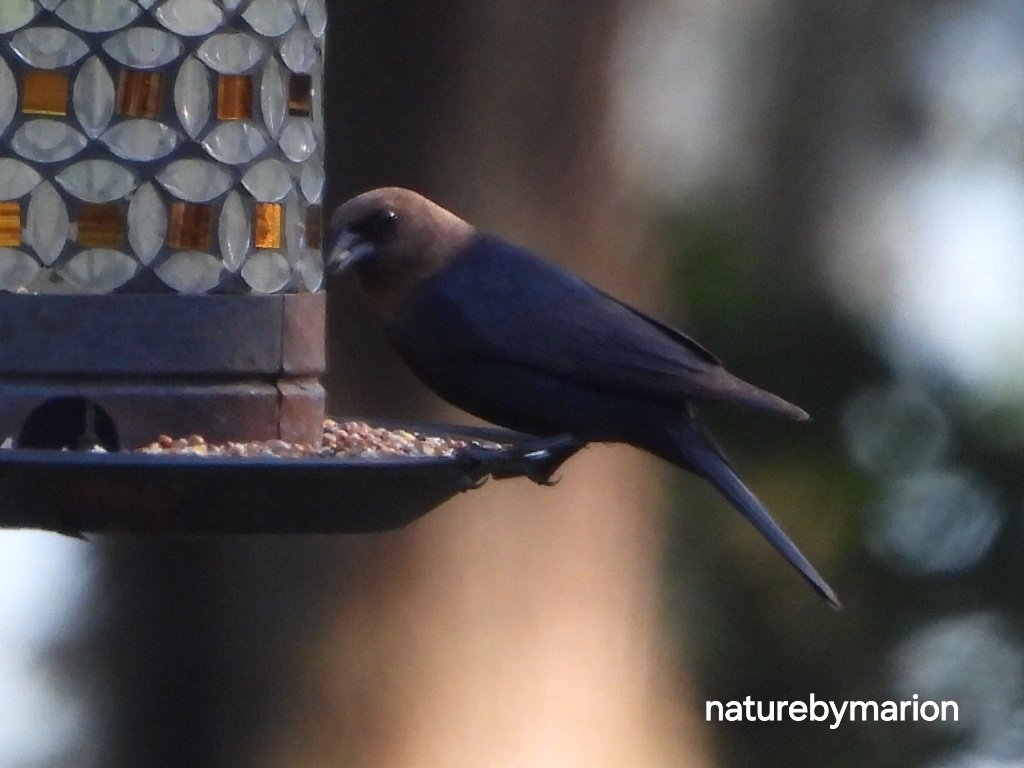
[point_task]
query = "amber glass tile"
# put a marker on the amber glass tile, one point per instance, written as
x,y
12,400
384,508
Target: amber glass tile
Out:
x,y
10,224
314,226
300,95
190,227
268,225
139,93
234,97
44,92
100,225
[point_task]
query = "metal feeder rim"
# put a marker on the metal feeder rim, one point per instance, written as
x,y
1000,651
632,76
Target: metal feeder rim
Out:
x,y
81,491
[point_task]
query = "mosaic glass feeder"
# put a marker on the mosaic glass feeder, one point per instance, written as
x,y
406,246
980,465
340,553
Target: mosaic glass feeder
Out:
x,y
161,176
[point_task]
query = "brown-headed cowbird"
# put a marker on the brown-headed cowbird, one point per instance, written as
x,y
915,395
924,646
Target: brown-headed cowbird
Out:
x,y
513,339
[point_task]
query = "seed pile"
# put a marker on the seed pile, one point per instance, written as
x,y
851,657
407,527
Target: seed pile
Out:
x,y
350,439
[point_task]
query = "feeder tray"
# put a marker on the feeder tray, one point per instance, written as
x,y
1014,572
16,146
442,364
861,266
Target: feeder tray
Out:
x,y
78,492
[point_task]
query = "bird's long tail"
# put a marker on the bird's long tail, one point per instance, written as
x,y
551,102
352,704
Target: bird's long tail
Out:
x,y
693,450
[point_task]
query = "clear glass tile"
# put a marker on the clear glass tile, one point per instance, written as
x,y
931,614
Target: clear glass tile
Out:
x,y
93,97
48,282
16,178
8,96
318,111
235,142
316,17
294,227
195,180
47,141
297,140
15,14
274,95
93,16
47,224
266,272
268,181
190,272
48,47
233,232
190,18
232,53
140,140
311,181
147,223
97,181
192,95
271,17
311,270
99,270
299,51
50,5
17,269
143,47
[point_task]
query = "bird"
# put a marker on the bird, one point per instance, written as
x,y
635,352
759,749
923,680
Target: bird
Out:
x,y
510,337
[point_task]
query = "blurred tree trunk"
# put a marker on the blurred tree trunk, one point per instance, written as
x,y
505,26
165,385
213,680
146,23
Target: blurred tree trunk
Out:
x,y
518,625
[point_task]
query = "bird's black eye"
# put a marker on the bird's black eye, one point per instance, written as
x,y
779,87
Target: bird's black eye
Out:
x,y
377,224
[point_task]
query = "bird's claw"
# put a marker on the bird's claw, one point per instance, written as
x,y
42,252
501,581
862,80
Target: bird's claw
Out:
x,y
536,460
543,478
477,483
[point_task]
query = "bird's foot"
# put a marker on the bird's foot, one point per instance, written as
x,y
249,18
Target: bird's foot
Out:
x,y
537,460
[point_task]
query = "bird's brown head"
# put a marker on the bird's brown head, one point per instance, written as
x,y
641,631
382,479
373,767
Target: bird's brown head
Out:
x,y
393,238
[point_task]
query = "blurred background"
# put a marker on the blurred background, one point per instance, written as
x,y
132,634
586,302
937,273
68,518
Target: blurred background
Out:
x,y
828,195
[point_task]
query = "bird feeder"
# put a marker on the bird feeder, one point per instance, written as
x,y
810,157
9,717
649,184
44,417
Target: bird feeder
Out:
x,y
161,180
161,175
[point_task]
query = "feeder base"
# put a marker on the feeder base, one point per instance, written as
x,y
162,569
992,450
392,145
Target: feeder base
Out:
x,y
121,369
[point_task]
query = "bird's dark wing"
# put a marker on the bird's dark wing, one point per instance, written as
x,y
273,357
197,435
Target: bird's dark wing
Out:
x,y
505,304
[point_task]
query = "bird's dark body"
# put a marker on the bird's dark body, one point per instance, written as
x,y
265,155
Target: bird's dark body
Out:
x,y
517,341
514,339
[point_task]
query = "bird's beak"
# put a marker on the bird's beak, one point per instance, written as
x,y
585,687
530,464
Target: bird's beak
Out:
x,y
348,249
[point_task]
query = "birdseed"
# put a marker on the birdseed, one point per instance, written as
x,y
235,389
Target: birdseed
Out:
x,y
341,440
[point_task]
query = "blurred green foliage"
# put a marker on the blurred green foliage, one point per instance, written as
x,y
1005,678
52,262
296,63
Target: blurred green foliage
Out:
x,y
747,621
